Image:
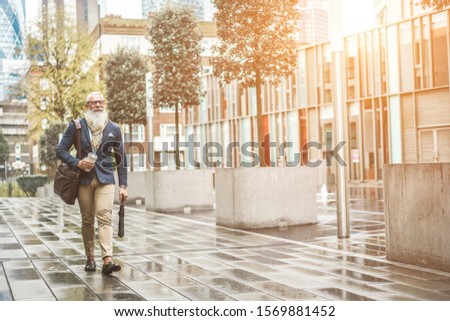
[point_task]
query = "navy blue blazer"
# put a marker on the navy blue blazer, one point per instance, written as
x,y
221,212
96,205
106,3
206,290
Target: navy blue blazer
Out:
x,y
111,147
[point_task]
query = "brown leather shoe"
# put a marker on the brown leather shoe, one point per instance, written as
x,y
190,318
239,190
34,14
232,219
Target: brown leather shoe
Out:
x,y
90,265
110,268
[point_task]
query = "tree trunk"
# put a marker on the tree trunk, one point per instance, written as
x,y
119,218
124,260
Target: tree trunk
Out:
x,y
130,126
259,121
177,139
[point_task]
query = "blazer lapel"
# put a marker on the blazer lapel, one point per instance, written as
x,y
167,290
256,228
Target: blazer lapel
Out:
x,y
85,131
105,135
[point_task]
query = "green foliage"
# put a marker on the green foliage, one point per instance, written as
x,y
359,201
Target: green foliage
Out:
x,y
48,141
126,87
436,4
10,189
30,183
4,149
59,81
175,37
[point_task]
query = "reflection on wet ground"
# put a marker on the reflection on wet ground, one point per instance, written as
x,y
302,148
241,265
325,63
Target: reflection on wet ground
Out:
x,y
187,257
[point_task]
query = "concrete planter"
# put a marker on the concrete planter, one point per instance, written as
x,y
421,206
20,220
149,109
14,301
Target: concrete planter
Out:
x,y
266,197
46,190
178,191
417,214
136,187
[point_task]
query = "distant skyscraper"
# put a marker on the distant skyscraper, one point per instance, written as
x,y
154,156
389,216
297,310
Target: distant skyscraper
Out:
x,y
83,12
314,21
154,5
12,58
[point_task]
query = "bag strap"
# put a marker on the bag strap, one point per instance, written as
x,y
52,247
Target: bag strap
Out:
x,y
78,137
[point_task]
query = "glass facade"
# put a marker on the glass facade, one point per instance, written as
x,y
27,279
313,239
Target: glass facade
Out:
x,y
397,92
12,58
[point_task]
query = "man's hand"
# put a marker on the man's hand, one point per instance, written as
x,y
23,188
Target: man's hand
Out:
x,y
123,194
85,165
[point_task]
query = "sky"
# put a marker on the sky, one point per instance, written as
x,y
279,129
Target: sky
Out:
x,y
357,14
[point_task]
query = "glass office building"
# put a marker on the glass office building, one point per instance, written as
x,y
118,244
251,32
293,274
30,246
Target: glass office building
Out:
x,y
397,96
12,57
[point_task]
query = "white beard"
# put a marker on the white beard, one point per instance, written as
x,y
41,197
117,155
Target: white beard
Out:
x,y
98,119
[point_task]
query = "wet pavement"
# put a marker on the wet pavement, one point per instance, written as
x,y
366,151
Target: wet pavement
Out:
x,y
187,257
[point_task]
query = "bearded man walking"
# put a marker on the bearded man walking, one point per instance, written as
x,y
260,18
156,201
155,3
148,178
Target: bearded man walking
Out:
x,y
103,138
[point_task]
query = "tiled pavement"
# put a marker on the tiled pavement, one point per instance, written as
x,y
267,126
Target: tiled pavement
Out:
x,y
187,257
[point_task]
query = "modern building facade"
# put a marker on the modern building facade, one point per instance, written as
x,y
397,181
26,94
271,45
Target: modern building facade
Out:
x,y
14,126
84,12
12,41
314,21
397,96
13,66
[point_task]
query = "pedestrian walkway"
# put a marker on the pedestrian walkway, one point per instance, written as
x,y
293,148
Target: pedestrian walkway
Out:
x,y
187,257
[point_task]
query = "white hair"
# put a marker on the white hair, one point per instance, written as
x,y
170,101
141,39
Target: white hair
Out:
x,y
88,97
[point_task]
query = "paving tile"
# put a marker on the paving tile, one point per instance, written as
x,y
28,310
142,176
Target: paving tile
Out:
x,y
415,293
22,274
254,297
227,286
337,294
5,296
3,284
101,285
154,291
28,290
359,276
415,273
120,296
49,265
180,257
293,280
62,279
174,279
203,293
242,275
286,292
75,293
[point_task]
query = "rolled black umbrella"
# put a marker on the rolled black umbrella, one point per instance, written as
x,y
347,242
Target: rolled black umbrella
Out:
x,y
121,220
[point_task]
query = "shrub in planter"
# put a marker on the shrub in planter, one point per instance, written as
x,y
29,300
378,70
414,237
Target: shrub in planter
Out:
x,y
30,183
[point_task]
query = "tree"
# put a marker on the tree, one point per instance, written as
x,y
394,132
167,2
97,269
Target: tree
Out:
x,y
126,89
48,141
61,75
436,4
4,149
175,38
257,40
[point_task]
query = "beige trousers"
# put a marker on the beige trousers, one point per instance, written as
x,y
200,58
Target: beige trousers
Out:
x,y
96,200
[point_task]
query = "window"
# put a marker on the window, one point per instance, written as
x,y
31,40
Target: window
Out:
x,y
167,109
131,42
138,162
439,49
406,61
168,130
138,133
